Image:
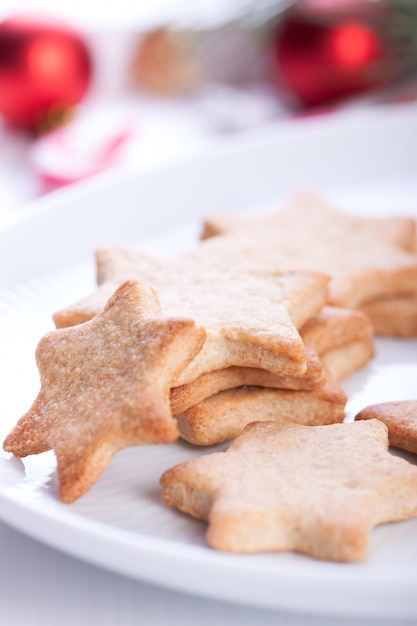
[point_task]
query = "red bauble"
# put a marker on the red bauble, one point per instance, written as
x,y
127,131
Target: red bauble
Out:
x,y
45,70
320,62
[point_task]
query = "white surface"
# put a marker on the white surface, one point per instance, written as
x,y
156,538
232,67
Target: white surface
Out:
x,y
161,131
367,162
131,15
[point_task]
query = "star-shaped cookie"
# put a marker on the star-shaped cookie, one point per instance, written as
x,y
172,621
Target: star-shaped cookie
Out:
x,y
370,259
105,385
204,386
401,420
251,315
395,317
338,342
313,489
224,415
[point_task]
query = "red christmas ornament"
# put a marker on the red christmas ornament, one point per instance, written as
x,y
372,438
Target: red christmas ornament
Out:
x,y
321,62
45,70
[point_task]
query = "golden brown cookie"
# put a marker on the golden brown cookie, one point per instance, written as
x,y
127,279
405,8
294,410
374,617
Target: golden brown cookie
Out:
x,y
105,386
185,396
224,415
400,231
344,361
251,316
393,316
343,338
312,489
368,258
400,418
334,327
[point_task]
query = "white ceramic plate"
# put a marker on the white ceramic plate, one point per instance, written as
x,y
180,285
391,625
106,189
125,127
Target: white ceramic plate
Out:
x,y
364,162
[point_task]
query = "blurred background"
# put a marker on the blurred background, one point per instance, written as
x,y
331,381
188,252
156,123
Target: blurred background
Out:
x,y
86,87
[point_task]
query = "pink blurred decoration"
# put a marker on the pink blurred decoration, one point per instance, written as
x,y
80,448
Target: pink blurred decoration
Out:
x,y
78,151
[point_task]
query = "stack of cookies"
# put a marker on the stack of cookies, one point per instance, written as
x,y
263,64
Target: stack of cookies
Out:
x,y
272,345
259,323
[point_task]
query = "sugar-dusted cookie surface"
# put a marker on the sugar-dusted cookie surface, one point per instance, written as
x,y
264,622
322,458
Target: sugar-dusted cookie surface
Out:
x,y
313,489
104,386
400,418
224,415
368,258
251,316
